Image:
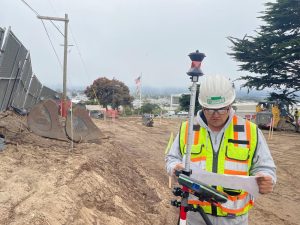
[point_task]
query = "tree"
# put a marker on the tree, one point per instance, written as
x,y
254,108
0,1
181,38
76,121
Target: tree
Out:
x,y
184,101
274,54
109,92
150,108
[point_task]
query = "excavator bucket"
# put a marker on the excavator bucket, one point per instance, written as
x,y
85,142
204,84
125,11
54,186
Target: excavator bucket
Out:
x,y
43,120
80,127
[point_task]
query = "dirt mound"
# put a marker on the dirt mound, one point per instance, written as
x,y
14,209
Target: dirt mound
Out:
x,y
16,132
44,181
121,181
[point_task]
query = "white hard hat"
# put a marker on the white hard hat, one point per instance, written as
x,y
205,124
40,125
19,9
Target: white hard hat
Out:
x,y
216,91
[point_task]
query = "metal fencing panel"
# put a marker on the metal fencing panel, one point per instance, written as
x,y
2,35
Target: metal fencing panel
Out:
x,y
7,60
33,92
48,93
26,77
23,85
11,62
1,36
19,88
17,73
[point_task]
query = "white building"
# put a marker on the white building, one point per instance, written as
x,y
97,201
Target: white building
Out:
x,y
79,98
174,103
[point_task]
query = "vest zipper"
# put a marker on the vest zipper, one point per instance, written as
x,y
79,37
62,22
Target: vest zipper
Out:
x,y
215,168
215,154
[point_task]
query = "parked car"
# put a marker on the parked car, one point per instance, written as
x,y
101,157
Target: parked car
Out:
x,y
182,113
170,113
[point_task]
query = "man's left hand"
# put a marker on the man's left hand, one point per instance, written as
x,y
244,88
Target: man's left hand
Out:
x,y
265,183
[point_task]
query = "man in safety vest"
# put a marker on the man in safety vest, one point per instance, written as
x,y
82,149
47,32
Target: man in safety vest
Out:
x,y
225,144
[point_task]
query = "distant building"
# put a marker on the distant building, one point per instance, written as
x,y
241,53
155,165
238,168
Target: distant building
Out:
x,y
174,103
79,98
136,103
94,108
170,104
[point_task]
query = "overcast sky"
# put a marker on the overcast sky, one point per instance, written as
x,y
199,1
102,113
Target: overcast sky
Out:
x,y
126,38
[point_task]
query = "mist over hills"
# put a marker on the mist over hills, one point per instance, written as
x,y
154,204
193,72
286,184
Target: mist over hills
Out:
x,y
167,91
150,91
241,93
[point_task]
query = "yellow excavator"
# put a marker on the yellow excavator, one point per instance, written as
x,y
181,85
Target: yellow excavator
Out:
x,y
274,113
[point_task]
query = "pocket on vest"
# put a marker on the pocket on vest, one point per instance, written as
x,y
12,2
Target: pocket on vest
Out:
x,y
237,153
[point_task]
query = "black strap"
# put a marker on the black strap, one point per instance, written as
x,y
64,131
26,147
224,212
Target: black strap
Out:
x,y
239,128
213,207
245,142
196,127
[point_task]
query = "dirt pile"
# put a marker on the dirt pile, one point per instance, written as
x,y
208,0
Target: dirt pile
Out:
x,y
44,181
121,181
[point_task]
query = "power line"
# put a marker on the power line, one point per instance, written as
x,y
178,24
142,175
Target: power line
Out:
x,y
73,37
83,64
37,14
79,53
52,45
30,7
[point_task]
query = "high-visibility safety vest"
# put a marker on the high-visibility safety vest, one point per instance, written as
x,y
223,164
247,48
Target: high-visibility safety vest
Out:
x,y
234,157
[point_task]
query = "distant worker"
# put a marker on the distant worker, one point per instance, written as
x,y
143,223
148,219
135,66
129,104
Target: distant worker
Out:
x,y
225,144
148,119
296,116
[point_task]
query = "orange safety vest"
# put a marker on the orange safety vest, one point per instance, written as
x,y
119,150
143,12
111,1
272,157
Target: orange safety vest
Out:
x,y
234,157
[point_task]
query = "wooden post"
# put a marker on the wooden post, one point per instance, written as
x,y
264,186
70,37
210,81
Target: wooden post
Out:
x,y
170,182
269,137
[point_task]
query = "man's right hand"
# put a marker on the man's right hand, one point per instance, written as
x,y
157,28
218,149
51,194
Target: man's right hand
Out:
x,y
178,166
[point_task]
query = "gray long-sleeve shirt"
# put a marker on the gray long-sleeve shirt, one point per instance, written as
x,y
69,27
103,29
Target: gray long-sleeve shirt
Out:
x,y
262,162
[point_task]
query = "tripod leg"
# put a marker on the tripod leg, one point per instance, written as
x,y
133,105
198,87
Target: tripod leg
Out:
x,y
204,216
178,223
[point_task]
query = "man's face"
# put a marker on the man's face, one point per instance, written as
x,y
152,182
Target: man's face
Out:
x,y
216,118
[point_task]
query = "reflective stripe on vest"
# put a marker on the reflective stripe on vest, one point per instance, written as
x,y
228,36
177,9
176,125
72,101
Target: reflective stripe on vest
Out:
x,y
196,147
235,157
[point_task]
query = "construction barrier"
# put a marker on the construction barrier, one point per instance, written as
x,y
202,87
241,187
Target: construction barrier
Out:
x,y
19,87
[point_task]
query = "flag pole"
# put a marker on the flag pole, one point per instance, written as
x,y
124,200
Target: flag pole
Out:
x,y
141,93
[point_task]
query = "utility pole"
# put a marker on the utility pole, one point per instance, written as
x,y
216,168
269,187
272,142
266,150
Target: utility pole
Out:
x,y
64,96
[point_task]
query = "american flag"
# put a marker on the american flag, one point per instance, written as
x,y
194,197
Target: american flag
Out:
x,y
138,85
138,81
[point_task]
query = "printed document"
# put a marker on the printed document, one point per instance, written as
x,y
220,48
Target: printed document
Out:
x,y
247,183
